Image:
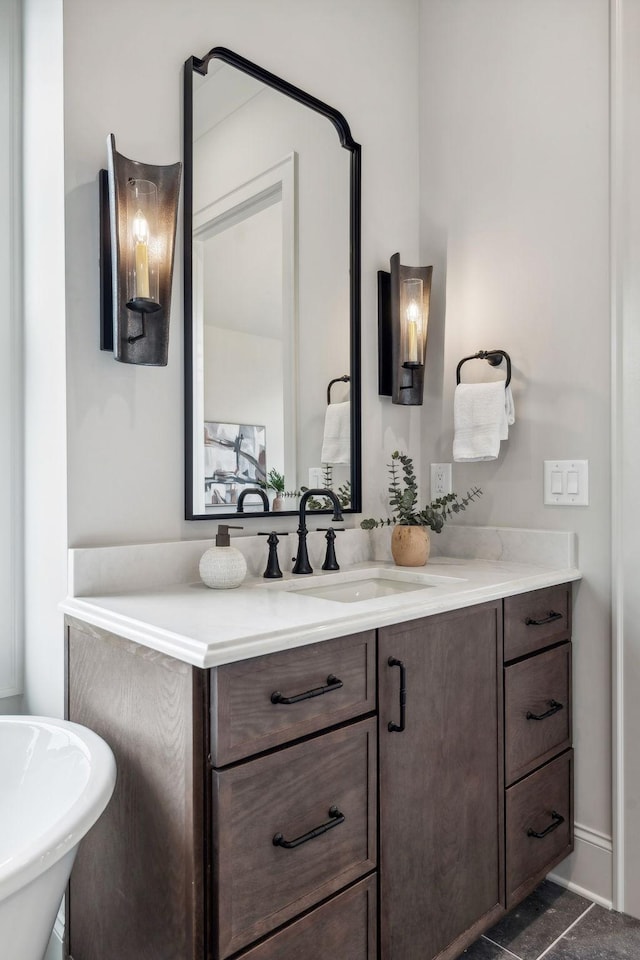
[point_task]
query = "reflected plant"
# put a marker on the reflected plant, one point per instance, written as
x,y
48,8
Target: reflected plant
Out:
x,y
343,493
275,481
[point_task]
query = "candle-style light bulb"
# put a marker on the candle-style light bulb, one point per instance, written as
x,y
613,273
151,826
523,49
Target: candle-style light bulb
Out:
x,y
413,315
141,251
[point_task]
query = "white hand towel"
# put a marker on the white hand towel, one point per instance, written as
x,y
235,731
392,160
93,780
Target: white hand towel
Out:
x,y
336,443
482,414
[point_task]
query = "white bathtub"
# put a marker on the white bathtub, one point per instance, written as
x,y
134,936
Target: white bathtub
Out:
x,y
56,778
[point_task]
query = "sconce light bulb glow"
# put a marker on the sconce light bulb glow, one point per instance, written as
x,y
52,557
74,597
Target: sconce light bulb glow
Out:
x,y
140,228
141,254
413,312
413,332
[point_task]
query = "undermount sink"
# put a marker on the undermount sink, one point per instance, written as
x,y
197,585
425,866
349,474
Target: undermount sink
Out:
x,y
354,586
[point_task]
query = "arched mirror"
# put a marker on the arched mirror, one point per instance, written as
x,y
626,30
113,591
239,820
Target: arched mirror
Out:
x,y
272,292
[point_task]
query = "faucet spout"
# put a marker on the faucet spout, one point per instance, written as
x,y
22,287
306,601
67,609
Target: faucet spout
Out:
x,y
302,564
252,490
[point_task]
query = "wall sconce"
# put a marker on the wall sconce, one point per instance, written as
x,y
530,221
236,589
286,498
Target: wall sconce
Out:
x,y
138,216
403,316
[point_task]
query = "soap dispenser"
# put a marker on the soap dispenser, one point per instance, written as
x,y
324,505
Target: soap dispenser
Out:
x,y
223,567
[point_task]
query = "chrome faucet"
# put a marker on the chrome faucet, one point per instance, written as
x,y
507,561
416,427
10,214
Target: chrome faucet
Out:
x,y
249,490
302,564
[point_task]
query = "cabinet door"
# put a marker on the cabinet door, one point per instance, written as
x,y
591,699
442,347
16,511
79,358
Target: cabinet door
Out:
x,y
441,782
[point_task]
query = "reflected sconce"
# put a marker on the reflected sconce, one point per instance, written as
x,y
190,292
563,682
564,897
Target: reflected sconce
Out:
x,y
138,216
403,317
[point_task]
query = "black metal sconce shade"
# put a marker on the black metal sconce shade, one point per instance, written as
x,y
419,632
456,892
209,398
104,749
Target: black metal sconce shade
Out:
x,y
402,350
136,269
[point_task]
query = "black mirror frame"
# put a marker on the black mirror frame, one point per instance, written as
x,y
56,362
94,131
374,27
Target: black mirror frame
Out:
x,y
197,65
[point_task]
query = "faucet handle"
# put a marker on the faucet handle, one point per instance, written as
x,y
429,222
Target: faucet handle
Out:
x,y
272,571
330,561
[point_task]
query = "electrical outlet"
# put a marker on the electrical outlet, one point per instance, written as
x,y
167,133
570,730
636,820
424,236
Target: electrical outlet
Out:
x,y
441,482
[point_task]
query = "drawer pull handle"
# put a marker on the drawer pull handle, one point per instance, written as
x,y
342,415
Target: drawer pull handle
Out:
x,y
336,819
551,616
332,684
554,706
399,727
557,820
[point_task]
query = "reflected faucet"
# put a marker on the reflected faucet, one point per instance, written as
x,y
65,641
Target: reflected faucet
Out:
x,y
302,564
249,490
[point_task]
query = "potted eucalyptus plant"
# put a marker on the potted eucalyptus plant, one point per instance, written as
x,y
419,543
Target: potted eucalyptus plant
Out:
x,y
410,542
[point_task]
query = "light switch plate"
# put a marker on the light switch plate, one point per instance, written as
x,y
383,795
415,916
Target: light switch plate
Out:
x,y
315,478
566,483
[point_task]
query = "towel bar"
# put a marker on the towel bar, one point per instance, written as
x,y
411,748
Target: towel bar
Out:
x,y
345,379
494,357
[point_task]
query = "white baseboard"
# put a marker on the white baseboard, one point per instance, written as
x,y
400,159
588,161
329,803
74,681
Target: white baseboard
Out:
x,y
589,870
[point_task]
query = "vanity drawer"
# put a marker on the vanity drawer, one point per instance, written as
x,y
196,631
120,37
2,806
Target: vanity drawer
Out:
x,y
537,704
542,803
344,927
290,793
245,720
536,620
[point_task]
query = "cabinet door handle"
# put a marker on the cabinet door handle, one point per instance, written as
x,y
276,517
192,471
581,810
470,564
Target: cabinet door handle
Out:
x,y
336,819
557,820
551,616
332,684
399,727
554,706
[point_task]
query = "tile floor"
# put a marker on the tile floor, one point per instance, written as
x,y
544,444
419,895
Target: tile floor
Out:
x,y
559,925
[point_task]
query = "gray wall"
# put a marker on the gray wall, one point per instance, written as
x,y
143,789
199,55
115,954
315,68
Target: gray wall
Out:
x,y
360,57
514,189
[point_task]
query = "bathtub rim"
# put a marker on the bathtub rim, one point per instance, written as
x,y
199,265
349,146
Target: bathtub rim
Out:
x,y
86,807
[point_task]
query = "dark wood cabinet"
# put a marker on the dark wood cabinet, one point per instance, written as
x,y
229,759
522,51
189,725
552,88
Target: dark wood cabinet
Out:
x,y
138,884
538,754
441,786
476,795
387,793
212,767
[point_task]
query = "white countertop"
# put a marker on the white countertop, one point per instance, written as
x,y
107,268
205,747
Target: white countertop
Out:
x,y
208,628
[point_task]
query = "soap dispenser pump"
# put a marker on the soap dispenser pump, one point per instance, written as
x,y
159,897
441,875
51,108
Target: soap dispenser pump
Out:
x,y
223,566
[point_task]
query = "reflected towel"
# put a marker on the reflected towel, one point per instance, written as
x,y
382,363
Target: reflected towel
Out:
x,y
482,414
336,443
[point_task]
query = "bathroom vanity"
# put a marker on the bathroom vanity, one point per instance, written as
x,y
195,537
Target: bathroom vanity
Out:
x,y
388,791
